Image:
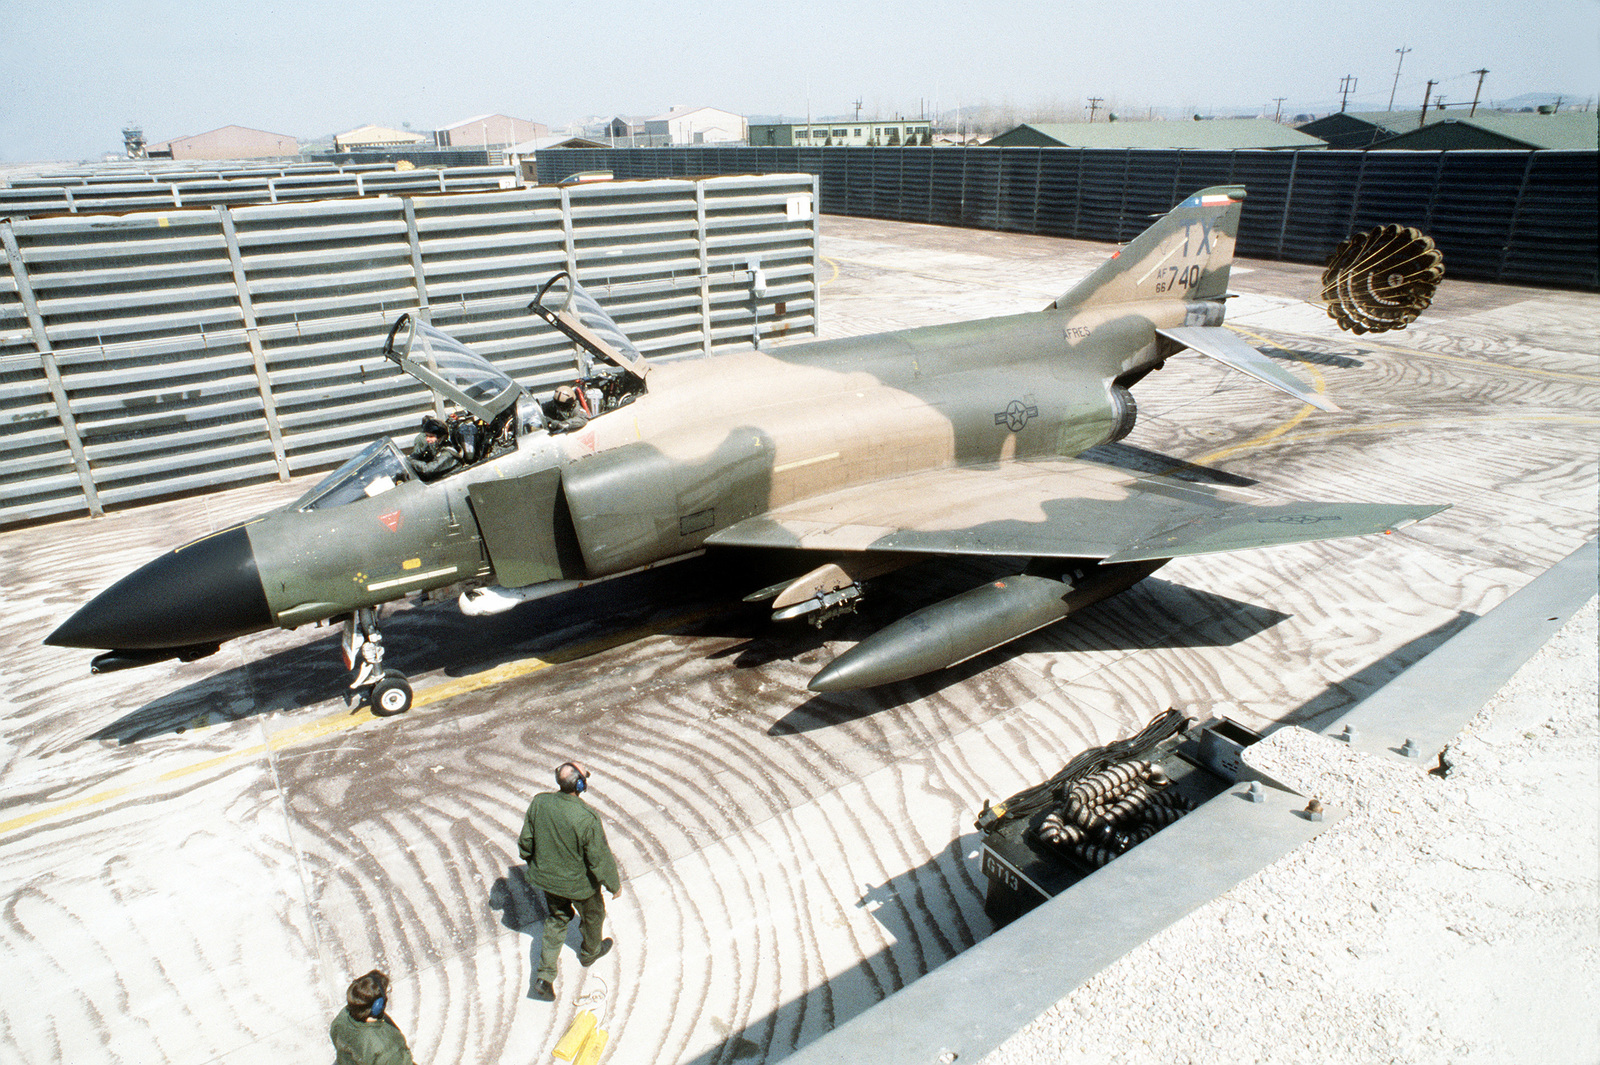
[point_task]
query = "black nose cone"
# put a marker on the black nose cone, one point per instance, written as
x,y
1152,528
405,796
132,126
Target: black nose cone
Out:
x,y
201,593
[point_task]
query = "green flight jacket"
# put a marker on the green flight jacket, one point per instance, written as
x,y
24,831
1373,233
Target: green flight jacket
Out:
x,y
359,1043
565,847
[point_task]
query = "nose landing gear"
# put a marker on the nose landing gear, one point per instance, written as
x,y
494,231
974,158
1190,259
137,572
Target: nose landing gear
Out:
x,y
387,691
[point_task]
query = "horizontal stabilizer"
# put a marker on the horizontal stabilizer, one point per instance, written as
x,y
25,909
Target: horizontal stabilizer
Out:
x,y
1226,347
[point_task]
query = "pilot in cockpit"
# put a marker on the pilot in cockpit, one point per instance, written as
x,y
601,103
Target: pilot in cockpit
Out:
x,y
431,454
562,412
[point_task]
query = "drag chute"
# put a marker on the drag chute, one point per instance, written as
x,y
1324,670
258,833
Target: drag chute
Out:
x,y
1382,279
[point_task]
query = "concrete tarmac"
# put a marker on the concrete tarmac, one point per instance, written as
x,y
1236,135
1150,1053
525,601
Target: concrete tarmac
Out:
x,y
196,859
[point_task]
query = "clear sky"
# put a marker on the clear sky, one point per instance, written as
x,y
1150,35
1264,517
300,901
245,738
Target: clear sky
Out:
x,y
74,72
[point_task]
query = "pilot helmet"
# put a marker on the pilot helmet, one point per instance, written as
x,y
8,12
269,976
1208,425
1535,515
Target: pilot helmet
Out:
x,y
432,426
566,395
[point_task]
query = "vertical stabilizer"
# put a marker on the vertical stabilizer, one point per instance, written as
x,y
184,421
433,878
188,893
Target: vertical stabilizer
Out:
x,y
1185,255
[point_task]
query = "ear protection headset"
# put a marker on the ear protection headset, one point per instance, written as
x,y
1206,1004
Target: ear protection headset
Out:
x,y
376,1009
580,785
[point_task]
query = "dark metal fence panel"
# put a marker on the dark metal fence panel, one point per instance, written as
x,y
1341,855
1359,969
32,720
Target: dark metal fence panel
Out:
x,y
916,186
1318,216
1553,224
980,191
1017,192
1195,170
1469,220
1147,191
1060,187
859,168
947,186
1267,206
1104,176
1300,205
1396,187
832,166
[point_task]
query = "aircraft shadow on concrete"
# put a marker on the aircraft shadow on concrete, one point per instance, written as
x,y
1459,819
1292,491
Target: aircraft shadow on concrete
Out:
x,y
1316,358
1152,615
1140,460
903,903
1338,699
438,637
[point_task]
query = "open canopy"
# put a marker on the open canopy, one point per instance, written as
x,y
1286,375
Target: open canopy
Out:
x,y
451,369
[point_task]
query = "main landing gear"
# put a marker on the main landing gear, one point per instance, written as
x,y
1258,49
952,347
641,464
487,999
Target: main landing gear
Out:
x,y
388,692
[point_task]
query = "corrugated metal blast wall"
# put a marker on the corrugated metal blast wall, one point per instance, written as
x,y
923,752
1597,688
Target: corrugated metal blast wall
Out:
x,y
1516,217
148,354
119,187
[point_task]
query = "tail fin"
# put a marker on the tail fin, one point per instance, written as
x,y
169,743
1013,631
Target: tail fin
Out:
x,y
1184,255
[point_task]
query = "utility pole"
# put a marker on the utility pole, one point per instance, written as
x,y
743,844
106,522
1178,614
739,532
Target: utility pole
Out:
x,y
1279,100
1094,105
1422,120
1347,85
1476,92
858,109
1396,86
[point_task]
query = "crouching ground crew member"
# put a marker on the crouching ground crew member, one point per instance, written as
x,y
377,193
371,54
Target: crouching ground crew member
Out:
x,y
363,1034
568,859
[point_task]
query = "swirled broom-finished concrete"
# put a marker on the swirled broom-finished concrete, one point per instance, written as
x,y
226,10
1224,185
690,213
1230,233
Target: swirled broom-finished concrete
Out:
x,y
196,859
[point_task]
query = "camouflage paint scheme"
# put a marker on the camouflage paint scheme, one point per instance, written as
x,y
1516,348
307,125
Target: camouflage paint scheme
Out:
x,y
871,451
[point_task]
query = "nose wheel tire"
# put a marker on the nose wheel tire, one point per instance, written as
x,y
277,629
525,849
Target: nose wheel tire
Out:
x,y
391,696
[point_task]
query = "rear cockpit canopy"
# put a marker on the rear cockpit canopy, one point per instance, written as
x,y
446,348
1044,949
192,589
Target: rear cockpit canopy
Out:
x,y
587,324
451,369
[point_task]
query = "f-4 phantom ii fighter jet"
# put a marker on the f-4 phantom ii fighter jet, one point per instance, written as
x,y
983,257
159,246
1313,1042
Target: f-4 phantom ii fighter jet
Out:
x,y
871,452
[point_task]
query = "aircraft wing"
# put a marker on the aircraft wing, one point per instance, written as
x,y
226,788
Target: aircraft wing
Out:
x,y
1061,508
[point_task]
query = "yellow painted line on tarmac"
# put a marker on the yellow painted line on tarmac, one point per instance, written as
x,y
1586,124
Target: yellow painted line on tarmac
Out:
x,y
1435,423
1406,423
1272,434
834,264
318,728
1256,441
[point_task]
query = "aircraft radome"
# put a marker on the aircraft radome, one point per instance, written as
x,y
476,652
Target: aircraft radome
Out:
x,y
870,452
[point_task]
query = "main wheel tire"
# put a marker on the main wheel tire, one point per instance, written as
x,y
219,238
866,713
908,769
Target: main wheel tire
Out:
x,y
391,696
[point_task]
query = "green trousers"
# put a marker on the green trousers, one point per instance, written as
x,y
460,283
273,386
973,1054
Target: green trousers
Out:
x,y
591,914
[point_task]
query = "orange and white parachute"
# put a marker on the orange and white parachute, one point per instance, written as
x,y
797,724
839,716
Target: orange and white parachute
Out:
x,y
1382,279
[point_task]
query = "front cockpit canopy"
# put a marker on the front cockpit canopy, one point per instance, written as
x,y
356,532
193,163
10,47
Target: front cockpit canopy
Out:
x,y
377,468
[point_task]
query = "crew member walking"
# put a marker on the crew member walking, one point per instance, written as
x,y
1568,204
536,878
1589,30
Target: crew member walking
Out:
x,y
564,844
362,1033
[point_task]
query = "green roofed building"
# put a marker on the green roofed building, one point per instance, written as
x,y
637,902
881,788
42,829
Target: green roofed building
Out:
x,y
1213,133
1453,130
1497,129
1359,129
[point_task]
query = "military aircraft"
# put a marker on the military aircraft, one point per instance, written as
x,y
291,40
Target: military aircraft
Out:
x,y
870,453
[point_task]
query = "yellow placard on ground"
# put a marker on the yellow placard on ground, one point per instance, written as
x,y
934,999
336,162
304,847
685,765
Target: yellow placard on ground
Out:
x,y
593,1048
577,1035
